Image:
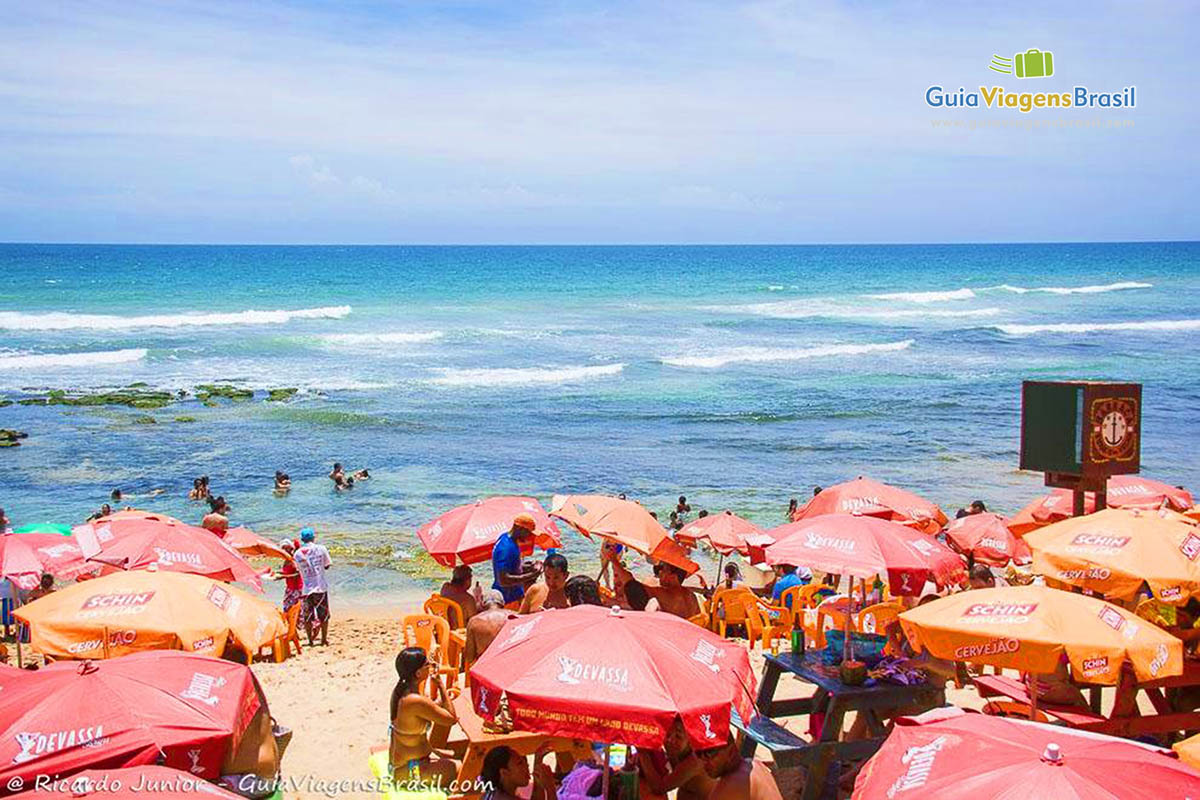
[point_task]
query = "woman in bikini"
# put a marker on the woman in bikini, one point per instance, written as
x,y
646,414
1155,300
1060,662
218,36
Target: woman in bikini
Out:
x,y
410,754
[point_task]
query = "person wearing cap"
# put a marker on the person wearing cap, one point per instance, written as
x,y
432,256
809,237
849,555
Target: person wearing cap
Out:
x,y
512,577
312,560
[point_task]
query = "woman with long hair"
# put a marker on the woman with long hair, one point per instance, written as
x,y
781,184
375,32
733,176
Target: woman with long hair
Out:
x,y
410,754
505,773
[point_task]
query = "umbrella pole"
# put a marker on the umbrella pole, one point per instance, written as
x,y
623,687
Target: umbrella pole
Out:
x,y
1032,685
607,761
720,563
847,649
17,629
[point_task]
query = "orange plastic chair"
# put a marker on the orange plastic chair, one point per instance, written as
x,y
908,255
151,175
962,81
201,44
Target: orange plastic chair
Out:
x,y
778,619
874,619
830,614
431,633
448,610
280,649
731,607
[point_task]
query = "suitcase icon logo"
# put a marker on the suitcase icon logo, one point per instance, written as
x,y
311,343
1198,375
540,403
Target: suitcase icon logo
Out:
x,y
1033,63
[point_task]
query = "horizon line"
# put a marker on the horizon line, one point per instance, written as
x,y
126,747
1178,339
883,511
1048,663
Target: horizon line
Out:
x,y
590,244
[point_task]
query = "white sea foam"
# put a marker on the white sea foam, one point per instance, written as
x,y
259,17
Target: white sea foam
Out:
x,y
92,359
61,321
523,376
805,309
1098,327
754,355
1108,287
395,337
926,297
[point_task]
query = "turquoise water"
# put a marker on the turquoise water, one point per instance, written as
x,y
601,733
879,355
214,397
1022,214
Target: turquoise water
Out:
x,y
739,376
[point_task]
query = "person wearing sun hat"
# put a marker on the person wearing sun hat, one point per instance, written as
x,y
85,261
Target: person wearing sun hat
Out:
x,y
312,560
511,576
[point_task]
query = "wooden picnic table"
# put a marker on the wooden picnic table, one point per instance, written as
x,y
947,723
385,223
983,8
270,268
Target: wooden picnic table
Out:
x,y
1163,693
823,757
478,742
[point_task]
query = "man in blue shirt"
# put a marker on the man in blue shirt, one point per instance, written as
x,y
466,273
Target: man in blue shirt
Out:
x,y
511,578
787,577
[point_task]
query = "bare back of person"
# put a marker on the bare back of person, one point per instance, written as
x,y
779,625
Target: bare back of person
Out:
x,y
464,598
752,780
482,630
676,600
540,597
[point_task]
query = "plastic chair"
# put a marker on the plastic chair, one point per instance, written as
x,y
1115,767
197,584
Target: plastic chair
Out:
x,y
874,619
830,614
280,648
731,607
431,633
448,610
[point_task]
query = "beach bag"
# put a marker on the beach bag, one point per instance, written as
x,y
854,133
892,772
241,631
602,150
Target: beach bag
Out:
x,y
583,782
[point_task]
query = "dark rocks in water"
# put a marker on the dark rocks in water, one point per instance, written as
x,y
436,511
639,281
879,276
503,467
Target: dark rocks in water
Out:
x,y
9,438
280,395
207,391
133,398
144,419
185,419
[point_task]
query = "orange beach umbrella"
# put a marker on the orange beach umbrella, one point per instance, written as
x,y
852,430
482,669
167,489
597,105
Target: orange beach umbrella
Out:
x,y
1031,627
137,541
874,499
1123,491
987,539
467,534
726,532
149,610
621,521
1112,552
249,543
951,754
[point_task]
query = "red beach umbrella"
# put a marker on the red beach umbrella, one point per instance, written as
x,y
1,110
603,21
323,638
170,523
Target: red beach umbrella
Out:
x,y
135,783
1123,491
70,716
987,539
137,541
951,754
607,675
24,557
863,547
726,532
466,535
874,499
249,543
624,522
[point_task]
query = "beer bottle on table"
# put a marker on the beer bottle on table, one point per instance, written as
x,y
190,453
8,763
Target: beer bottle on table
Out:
x,y
797,634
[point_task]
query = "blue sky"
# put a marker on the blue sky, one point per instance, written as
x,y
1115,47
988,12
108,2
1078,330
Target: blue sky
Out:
x,y
583,122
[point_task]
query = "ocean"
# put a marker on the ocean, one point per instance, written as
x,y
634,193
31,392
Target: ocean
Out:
x,y
738,376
